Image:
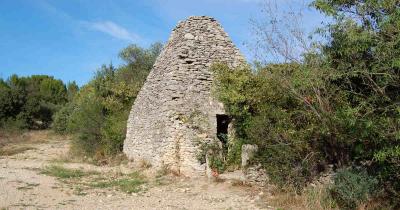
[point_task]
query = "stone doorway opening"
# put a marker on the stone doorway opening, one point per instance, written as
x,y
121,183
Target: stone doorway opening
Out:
x,y
223,121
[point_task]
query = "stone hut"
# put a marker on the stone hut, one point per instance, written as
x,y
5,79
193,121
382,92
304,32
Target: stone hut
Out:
x,y
175,113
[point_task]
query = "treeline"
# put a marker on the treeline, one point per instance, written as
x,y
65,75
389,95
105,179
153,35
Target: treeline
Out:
x,y
339,107
95,114
98,113
30,102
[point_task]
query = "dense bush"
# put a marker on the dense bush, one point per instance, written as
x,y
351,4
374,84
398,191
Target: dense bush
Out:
x,y
339,105
85,123
352,188
30,102
271,108
364,52
61,118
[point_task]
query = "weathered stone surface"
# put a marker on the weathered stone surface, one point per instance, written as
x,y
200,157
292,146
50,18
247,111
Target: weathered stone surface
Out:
x,y
248,152
256,175
189,36
175,113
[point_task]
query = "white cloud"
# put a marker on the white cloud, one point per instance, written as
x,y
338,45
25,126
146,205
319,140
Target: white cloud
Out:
x,y
113,30
108,27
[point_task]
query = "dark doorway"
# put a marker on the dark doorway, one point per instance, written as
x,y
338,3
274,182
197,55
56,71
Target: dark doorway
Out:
x,y
222,127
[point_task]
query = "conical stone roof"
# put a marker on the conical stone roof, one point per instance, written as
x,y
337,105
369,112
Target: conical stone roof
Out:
x,y
174,114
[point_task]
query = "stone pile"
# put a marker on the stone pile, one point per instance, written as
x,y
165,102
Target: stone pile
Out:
x,y
175,113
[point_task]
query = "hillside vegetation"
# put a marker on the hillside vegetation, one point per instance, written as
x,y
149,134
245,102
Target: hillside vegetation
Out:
x,y
340,106
30,102
98,114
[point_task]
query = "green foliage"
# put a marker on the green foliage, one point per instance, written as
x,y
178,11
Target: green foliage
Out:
x,y
113,133
61,119
214,153
86,122
352,188
339,106
98,112
234,153
72,90
272,108
363,51
217,163
130,184
30,101
65,173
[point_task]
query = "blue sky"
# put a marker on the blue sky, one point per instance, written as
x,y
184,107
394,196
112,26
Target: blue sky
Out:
x,y
70,39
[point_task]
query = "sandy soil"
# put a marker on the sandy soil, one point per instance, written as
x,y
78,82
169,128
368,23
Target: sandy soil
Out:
x,y
23,186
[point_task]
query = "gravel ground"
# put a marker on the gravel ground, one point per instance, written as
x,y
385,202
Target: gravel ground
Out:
x,y
23,186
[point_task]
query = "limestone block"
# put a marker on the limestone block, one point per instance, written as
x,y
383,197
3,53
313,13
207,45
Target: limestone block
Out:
x,y
248,152
189,36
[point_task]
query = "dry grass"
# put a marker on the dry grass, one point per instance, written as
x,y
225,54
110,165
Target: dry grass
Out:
x,y
66,173
130,183
14,142
313,197
165,176
28,186
144,164
70,157
83,180
240,183
14,149
316,198
8,137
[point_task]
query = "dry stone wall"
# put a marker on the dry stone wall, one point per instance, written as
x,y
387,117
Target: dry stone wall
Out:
x,y
175,112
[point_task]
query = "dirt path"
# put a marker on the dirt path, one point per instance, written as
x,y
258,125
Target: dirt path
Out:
x,y
24,186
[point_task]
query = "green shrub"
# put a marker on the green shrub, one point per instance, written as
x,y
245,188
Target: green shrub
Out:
x,y
61,118
217,163
32,100
269,110
131,183
86,122
234,153
61,172
113,133
14,125
352,188
66,173
214,153
339,105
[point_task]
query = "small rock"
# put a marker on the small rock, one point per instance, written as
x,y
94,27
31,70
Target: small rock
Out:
x,y
189,36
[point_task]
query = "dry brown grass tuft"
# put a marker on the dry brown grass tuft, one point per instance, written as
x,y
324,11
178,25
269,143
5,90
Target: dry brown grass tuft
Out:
x,y
32,137
144,164
14,142
313,197
8,137
13,150
240,183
